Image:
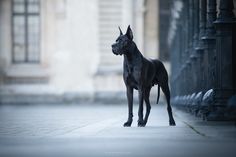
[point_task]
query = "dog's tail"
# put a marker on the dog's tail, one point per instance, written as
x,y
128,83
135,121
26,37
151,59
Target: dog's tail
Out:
x,y
158,93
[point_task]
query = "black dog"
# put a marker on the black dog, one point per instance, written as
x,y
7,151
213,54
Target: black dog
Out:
x,y
141,74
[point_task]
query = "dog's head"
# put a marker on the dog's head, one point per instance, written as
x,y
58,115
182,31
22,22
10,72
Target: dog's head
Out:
x,y
123,42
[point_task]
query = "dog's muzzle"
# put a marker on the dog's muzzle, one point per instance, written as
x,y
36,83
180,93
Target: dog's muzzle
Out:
x,y
114,49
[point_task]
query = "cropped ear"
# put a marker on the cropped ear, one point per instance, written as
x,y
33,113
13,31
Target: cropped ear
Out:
x,y
120,31
129,33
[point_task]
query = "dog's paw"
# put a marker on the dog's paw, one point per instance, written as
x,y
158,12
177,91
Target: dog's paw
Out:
x,y
127,124
172,123
141,123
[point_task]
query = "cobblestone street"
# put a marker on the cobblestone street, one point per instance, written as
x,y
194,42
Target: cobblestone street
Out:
x,y
96,130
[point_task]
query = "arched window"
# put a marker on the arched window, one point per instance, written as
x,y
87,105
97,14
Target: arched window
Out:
x,y
26,31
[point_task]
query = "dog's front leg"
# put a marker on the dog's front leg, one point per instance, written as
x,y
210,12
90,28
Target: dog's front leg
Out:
x,y
140,109
129,93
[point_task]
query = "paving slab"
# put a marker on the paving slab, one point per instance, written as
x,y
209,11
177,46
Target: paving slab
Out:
x,y
96,130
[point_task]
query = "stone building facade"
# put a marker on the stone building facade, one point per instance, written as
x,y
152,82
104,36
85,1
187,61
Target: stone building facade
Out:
x,y
59,50
202,39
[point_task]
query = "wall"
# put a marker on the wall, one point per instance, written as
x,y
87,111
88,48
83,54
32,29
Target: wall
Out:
x,y
72,61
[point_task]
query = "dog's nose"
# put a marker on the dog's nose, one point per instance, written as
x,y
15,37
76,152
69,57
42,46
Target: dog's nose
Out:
x,y
113,45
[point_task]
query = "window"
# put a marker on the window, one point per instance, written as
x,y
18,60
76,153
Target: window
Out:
x,y
25,31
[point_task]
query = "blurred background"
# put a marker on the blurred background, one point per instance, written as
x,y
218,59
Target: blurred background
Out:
x,y
60,50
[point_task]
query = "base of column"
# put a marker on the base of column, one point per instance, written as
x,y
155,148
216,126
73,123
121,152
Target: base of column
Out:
x,y
214,105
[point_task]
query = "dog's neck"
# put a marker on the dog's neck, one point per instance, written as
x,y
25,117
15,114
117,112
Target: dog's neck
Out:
x,y
132,53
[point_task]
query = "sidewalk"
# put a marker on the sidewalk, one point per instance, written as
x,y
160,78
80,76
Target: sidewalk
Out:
x,y
96,130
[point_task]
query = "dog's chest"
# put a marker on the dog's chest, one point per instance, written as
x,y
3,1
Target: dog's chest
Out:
x,y
132,76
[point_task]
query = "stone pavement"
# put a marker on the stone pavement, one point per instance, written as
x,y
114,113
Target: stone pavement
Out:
x,y
96,130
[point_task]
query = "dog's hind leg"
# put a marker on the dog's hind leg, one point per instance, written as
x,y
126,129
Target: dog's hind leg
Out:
x,y
148,106
129,93
158,93
166,91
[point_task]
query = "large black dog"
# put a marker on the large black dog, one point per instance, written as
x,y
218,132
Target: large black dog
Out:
x,y
141,74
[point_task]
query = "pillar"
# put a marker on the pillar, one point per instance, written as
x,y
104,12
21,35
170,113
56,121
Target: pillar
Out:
x,y
224,83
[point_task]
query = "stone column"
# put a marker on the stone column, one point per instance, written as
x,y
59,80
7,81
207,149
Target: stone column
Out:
x,y
209,42
189,75
186,30
183,74
208,56
190,46
196,23
224,86
195,46
202,24
200,48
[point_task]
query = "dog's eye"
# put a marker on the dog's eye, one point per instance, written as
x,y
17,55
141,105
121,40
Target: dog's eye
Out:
x,y
118,40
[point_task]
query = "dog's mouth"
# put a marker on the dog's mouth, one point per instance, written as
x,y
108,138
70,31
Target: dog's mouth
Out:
x,y
116,52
